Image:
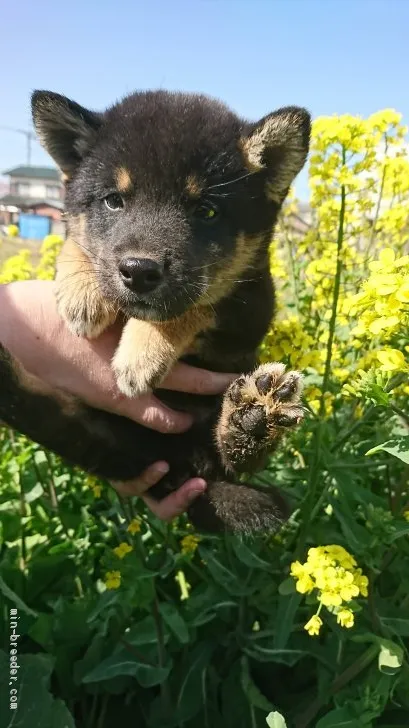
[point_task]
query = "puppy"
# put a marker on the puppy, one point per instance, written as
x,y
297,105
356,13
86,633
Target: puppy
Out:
x,y
171,202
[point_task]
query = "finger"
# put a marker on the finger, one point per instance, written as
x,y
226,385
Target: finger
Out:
x,y
177,502
184,378
150,412
146,480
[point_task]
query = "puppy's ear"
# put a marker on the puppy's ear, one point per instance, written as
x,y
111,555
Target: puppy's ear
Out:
x,y
65,129
278,143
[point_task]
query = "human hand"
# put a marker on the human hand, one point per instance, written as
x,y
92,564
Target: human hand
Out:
x,y
174,504
33,332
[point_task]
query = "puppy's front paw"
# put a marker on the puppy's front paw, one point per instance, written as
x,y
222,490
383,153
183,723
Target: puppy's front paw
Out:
x,y
84,311
143,358
138,374
257,411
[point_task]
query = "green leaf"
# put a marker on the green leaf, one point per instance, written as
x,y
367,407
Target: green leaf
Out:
x,y
275,720
250,689
287,608
247,556
143,633
15,599
390,657
42,631
175,622
401,530
123,663
34,493
223,576
150,675
340,718
120,663
211,613
36,706
190,696
355,534
287,587
267,654
396,625
60,716
399,448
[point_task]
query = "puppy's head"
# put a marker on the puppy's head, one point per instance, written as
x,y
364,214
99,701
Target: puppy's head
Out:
x,y
172,196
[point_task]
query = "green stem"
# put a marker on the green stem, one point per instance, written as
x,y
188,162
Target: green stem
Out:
x,y
164,688
399,412
342,440
378,206
294,282
315,465
51,484
101,720
92,712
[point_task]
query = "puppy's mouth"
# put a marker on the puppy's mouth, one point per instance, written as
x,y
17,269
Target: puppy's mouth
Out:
x,y
166,304
146,310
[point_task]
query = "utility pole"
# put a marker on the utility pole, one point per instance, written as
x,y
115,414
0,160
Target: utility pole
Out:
x,y
30,137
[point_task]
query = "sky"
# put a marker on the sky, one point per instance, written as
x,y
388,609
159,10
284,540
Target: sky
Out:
x,y
332,56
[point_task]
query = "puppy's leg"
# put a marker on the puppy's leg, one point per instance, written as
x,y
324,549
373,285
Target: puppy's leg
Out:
x,y
108,445
148,350
79,299
258,409
227,506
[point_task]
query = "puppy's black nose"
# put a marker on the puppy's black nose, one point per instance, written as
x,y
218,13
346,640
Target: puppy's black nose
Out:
x,y
141,275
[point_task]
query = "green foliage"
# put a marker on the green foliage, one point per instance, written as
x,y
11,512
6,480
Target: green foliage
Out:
x,y
232,653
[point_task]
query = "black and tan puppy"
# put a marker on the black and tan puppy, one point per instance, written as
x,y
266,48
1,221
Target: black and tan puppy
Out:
x,y
171,202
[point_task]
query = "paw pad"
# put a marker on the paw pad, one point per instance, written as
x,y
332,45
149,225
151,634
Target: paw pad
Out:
x,y
268,398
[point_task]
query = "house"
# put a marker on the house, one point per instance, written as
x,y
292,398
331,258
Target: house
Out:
x,y
33,190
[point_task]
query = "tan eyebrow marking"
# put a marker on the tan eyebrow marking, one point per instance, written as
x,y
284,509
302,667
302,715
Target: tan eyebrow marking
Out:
x,y
123,179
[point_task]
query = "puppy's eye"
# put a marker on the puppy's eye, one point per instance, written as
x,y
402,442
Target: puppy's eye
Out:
x,y
207,212
114,201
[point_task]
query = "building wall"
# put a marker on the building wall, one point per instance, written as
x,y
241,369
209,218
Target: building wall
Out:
x,y
36,188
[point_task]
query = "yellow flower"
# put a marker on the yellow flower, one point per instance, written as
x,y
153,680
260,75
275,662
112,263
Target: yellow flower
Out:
x,y
184,586
297,569
49,250
330,598
333,573
12,231
362,582
134,526
386,259
406,515
189,544
113,579
314,625
345,618
92,482
392,360
305,584
122,550
17,268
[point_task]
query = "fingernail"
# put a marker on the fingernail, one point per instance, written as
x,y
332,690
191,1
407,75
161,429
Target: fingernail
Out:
x,y
161,468
197,489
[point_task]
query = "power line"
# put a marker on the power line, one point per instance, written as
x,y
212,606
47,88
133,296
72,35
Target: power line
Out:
x,y
30,137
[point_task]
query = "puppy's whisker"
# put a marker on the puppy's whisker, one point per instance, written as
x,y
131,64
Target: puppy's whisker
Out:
x,y
231,182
